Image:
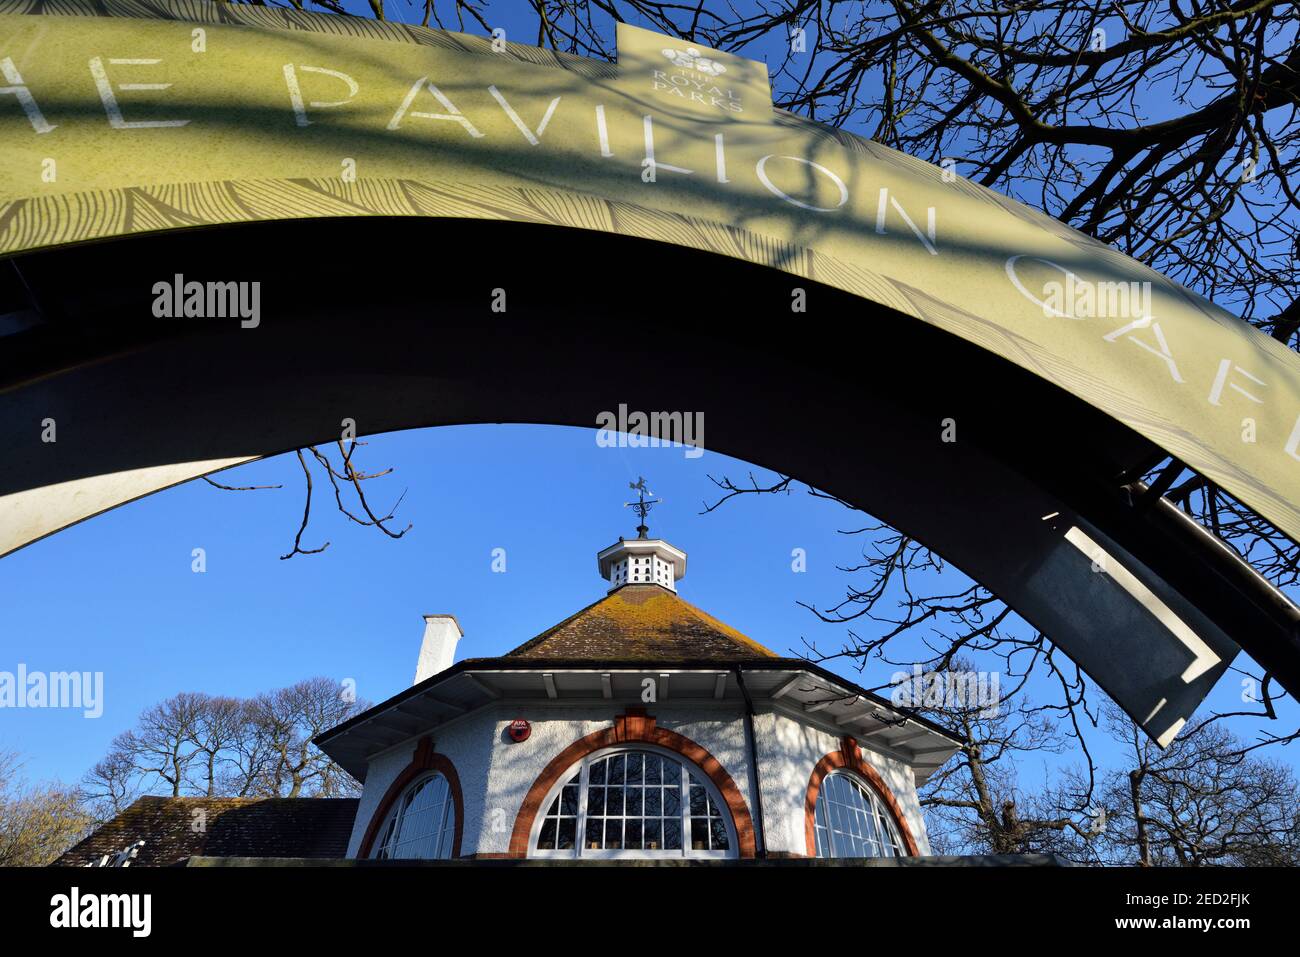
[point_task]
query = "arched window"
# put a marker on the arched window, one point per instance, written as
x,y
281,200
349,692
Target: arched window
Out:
x,y
422,823
634,802
852,821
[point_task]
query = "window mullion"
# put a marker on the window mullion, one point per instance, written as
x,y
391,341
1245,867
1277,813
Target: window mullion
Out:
x,y
399,818
442,833
683,807
580,825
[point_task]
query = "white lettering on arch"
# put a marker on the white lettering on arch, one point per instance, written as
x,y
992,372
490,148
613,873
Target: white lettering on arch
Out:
x,y
19,89
761,169
295,91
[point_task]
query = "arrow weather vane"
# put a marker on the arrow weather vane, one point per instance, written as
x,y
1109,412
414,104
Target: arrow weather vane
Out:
x,y
641,506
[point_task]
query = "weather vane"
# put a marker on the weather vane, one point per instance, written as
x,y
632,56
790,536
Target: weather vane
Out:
x,y
641,506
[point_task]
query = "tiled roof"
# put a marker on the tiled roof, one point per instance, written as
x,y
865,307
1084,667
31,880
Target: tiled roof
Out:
x,y
231,827
642,623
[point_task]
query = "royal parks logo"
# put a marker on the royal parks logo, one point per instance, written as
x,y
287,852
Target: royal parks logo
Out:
x,y
693,77
691,59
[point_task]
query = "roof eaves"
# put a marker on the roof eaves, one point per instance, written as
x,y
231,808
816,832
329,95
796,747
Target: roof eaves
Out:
x,y
507,663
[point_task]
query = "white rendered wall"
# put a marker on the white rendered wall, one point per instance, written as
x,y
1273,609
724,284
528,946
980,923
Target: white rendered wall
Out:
x,y
467,743
516,766
496,773
788,750
384,768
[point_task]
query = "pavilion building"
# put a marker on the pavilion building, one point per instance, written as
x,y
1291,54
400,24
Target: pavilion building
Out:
x,y
639,727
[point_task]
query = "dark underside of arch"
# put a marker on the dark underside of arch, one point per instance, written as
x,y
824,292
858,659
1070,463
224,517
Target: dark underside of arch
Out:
x,y
389,322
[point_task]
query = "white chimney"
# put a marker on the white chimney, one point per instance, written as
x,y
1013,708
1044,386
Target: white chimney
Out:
x,y
438,650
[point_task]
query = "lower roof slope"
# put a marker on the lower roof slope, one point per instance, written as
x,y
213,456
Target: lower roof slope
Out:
x,y
642,623
233,827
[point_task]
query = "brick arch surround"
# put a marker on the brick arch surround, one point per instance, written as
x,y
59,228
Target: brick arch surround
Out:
x,y
632,729
850,757
424,760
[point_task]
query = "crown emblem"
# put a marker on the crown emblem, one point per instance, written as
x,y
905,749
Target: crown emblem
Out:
x,y
691,59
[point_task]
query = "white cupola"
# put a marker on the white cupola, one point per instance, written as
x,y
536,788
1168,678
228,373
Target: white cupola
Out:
x,y
643,560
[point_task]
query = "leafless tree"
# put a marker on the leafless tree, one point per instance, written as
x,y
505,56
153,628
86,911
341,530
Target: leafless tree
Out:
x,y
976,802
37,822
217,727
1204,801
345,479
111,785
198,744
161,745
288,719
249,755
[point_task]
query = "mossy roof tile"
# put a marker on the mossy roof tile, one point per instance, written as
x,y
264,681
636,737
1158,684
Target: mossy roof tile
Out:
x,y
232,827
642,623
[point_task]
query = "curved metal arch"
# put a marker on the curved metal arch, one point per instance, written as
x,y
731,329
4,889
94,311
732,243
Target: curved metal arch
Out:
x,y
1055,411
